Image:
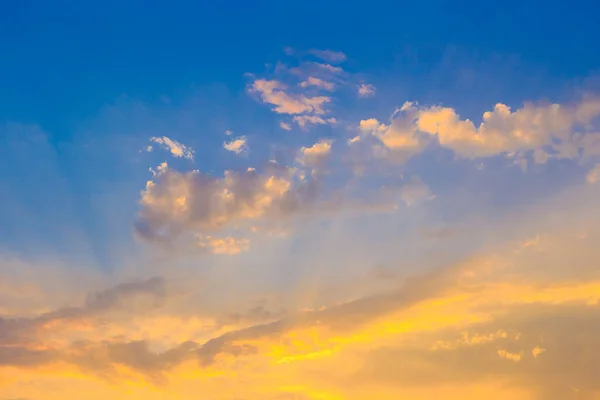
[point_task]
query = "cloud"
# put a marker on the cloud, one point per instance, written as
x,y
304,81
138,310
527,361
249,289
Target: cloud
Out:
x,y
528,128
174,147
366,90
304,120
537,351
274,92
329,55
316,155
175,203
516,357
593,175
290,89
401,137
224,246
236,145
329,68
285,126
22,330
318,83
547,130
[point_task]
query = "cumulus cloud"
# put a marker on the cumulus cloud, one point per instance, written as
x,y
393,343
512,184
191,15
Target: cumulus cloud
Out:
x,y
237,145
548,130
315,155
175,203
275,93
174,147
366,90
401,137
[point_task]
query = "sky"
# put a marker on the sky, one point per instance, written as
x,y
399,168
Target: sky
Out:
x,y
276,201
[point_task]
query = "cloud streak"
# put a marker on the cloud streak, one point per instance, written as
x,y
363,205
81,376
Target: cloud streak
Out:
x,y
174,147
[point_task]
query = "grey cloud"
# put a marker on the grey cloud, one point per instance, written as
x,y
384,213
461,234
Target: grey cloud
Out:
x,y
24,357
24,330
258,313
99,358
112,297
251,197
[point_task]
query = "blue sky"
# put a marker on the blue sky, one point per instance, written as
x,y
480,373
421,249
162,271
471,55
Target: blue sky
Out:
x,y
79,57
181,179
87,74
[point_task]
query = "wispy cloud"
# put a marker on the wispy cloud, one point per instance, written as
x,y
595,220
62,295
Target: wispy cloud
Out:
x,y
174,147
318,83
329,55
304,120
275,93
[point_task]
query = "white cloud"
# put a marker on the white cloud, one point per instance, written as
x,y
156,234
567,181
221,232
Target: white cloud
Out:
x,y
303,120
274,92
366,90
317,82
236,145
285,126
329,55
174,147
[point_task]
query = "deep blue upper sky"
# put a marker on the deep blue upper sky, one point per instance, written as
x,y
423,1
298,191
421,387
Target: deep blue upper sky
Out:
x,y
62,60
